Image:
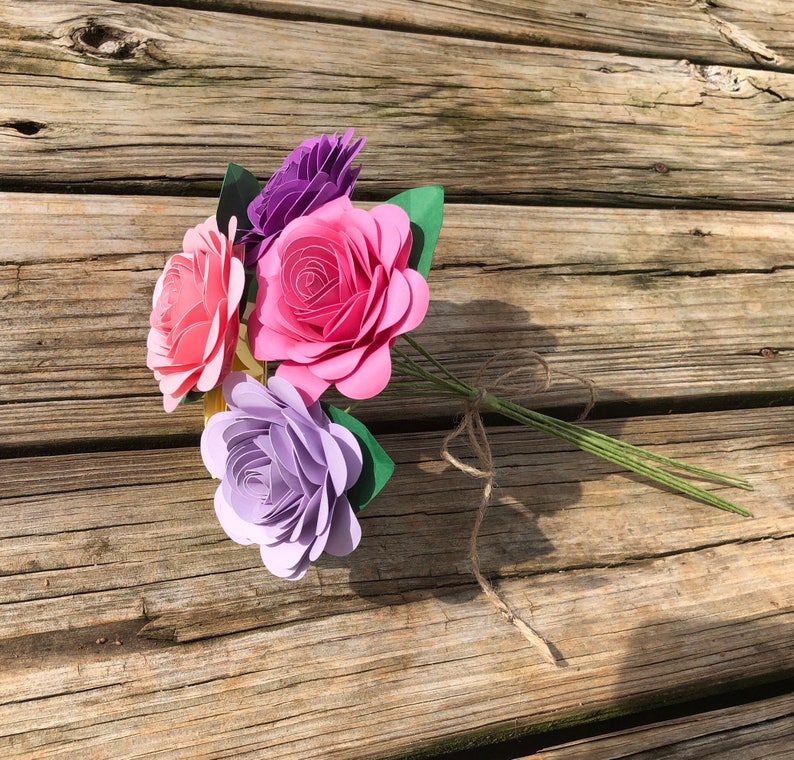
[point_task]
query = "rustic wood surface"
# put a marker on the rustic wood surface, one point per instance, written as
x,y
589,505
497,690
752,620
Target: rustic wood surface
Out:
x,y
534,123
655,307
753,732
200,626
726,32
620,201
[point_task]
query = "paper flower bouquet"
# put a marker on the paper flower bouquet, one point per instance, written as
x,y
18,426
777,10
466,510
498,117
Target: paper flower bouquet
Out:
x,y
295,278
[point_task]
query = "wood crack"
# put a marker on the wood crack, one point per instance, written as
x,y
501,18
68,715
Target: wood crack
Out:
x,y
635,559
768,90
554,268
740,39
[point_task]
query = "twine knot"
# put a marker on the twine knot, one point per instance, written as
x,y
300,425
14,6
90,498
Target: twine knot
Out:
x,y
472,425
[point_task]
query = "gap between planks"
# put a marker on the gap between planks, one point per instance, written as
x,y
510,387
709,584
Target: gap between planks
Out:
x,y
755,731
686,308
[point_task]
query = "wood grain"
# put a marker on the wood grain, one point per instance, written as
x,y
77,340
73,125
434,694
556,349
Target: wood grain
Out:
x,y
539,125
755,731
555,511
106,545
672,305
559,499
728,32
620,201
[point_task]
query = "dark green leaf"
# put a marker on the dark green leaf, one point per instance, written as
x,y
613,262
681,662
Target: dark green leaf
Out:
x,y
378,466
239,188
253,285
425,208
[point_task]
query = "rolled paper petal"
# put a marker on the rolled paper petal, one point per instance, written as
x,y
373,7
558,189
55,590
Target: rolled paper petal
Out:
x,y
398,302
213,448
310,386
351,450
285,468
171,402
420,301
233,526
371,376
285,560
345,533
392,224
337,367
335,291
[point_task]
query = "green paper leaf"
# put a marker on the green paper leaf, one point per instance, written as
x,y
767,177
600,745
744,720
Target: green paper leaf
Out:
x,y
239,188
251,290
378,466
425,208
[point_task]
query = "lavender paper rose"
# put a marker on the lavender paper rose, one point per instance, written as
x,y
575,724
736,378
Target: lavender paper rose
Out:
x,y
316,172
284,469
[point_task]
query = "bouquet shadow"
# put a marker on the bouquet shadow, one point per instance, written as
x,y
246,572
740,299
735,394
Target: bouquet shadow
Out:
x,y
667,687
418,531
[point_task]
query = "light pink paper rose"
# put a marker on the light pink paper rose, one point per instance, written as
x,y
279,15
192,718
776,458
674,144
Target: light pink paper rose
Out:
x,y
195,319
335,291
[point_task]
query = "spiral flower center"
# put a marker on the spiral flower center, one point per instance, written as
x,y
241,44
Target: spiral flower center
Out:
x,y
312,281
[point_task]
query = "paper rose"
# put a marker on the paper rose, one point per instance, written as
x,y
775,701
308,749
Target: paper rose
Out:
x,y
284,469
195,319
316,172
334,293
334,288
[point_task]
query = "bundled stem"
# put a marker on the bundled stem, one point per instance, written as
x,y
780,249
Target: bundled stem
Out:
x,y
656,467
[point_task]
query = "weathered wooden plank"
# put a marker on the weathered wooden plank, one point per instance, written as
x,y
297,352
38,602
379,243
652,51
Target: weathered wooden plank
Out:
x,y
441,666
71,561
688,599
755,731
534,124
649,304
730,33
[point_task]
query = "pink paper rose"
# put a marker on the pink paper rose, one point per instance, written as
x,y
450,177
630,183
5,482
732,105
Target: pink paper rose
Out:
x,y
335,291
195,319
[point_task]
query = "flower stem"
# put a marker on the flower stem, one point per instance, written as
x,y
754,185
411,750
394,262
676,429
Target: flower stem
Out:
x,y
633,458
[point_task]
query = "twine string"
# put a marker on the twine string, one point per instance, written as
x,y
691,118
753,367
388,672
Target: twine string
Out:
x,y
472,425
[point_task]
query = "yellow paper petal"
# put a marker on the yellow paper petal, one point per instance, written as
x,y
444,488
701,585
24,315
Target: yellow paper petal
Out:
x,y
244,360
213,402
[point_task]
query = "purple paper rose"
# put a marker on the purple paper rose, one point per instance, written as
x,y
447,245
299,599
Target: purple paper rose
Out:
x,y
284,469
316,172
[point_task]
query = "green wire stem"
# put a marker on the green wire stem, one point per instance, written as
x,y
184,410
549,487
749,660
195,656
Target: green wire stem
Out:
x,y
634,458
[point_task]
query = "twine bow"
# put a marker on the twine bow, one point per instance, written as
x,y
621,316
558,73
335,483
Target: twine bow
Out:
x,y
472,425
